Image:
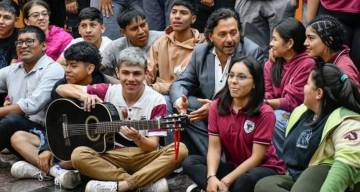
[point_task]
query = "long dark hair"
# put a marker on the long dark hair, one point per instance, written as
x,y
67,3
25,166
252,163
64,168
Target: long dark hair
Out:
x,y
288,28
339,90
256,95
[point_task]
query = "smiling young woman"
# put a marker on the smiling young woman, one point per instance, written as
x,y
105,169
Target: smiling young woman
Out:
x,y
241,125
37,13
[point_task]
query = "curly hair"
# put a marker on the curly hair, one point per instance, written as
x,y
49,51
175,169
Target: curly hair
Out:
x,y
330,30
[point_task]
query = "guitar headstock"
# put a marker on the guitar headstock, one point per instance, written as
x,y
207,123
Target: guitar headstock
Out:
x,y
175,121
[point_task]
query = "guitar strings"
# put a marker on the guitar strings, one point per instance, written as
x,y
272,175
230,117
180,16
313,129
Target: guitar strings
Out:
x,y
105,127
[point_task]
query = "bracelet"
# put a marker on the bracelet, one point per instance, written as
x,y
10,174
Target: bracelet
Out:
x,y
207,179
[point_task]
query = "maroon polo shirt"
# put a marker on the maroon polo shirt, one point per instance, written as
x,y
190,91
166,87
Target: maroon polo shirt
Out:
x,y
238,132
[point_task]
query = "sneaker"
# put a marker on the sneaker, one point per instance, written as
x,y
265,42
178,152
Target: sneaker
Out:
x,y
159,186
68,179
101,186
23,169
194,188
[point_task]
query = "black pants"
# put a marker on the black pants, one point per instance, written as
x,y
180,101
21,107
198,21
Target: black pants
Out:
x,y
351,22
195,167
12,123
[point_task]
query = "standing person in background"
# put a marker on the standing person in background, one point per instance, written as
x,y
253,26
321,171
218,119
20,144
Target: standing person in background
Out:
x,y
287,74
37,13
157,13
170,54
111,10
259,17
73,7
325,41
348,12
205,8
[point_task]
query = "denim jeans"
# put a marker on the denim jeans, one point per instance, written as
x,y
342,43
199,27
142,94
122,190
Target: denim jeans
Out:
x,y
12,123
282,118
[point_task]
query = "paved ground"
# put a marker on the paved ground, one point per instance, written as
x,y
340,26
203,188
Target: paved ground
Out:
x,y
177,183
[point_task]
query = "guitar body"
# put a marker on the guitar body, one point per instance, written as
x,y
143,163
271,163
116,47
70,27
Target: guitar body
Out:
x,y
67,127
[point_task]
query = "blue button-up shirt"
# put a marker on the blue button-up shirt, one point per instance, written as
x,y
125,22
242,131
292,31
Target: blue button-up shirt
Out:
x,y
31,90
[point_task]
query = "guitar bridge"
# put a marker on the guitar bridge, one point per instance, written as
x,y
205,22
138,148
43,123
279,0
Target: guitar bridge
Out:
x,y
65,130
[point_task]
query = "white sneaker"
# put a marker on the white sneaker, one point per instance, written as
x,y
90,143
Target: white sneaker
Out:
x,y
194,188
101,186
68,180
23,169
159,186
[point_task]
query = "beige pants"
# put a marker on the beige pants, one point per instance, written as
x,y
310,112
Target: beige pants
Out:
x,y
130,164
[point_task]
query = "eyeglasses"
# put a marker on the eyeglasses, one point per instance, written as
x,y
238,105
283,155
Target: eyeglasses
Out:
x,y
36,15
28,42
239,77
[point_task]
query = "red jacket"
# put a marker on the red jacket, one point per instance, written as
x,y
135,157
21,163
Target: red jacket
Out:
x,y
294,76
346,65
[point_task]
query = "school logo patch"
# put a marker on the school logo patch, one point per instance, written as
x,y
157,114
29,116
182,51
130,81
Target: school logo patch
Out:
x,y
352,135
249,126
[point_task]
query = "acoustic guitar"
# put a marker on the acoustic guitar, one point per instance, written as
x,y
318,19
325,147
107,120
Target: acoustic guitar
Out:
x,y
69,126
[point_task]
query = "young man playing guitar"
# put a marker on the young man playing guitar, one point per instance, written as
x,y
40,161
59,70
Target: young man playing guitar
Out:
x,y
82,68
140,163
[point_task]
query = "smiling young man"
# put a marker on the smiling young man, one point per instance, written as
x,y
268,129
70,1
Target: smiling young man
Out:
x,y
9,13
134,27
28,85
136,162
170,54
91,28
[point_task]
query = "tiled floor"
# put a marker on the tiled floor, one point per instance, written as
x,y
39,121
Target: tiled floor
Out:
x,y
10,184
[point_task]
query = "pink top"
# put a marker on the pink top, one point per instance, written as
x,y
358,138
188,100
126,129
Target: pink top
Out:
x,y
56,41
346,65
347,6
294,76
238,132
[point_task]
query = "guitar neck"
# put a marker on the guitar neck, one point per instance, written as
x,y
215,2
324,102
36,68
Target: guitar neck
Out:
x,y
115,126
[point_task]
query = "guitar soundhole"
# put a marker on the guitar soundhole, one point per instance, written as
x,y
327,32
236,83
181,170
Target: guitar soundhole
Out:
x,y
91,128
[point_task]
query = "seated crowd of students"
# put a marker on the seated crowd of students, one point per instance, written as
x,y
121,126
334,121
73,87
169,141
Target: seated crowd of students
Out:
x,y
286,119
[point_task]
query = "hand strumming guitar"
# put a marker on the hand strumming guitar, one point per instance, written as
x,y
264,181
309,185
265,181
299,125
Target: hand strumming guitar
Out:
x,y
90,101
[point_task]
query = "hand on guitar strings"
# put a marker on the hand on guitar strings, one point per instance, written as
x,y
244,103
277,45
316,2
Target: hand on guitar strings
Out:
x,y
45,161
90,101
130,133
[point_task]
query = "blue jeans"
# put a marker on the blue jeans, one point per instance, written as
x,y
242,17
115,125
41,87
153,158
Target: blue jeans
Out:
x,y
12,123
282,118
